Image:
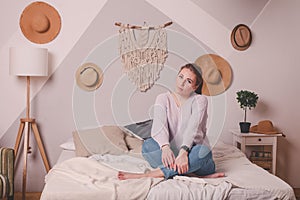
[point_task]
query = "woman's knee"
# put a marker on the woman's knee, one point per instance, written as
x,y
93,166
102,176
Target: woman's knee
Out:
x,y
152,153
149,145
145,146
203,151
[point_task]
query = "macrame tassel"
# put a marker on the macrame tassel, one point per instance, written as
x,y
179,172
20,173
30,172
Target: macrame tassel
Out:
x,y
143,58
145,77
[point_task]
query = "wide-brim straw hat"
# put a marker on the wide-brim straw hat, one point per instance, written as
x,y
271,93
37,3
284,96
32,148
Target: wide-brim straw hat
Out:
x,y
40,22
264,127
89,76
216,74
241,37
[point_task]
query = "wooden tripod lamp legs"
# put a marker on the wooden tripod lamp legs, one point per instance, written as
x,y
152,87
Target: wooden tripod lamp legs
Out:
x,y
27,124
41,146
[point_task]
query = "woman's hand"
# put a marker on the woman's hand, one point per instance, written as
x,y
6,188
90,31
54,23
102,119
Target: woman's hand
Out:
x,y
182,162
167,156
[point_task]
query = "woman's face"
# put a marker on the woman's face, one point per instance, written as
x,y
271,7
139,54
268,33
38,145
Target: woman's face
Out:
x,y
185,82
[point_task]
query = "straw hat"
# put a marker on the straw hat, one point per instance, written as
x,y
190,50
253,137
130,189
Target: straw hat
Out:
x,y
241,37
264,127
216,74
40,22
89,77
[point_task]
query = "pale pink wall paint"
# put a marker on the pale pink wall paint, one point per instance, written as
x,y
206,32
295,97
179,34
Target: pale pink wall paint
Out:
x,y
74,22
76,17
268,67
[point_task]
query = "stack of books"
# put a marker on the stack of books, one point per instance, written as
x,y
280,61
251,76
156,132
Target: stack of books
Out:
x,y
262,159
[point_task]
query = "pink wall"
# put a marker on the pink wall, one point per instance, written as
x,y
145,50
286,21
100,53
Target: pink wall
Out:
x,y
268,67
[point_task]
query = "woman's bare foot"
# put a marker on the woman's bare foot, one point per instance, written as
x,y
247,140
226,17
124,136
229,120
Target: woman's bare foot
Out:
x,y
128,175
157,173
214,175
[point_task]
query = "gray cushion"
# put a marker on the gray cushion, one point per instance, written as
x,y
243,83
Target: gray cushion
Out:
x,y
142,129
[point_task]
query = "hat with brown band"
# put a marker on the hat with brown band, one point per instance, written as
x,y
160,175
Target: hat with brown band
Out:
x,y
40,22
264,127
89,76
216,74
241,37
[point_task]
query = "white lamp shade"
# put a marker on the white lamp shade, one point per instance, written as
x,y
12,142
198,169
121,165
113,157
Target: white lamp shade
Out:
x,y
28,61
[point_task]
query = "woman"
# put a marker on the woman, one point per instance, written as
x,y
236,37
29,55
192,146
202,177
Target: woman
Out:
x,y
178,145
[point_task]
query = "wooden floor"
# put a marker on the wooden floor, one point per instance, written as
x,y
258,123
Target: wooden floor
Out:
x,y
297,193
29,196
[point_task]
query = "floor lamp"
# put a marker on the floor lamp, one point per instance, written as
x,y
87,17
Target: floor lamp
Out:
x,y
28,62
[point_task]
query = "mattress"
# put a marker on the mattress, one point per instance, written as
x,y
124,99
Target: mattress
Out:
x,y
244,180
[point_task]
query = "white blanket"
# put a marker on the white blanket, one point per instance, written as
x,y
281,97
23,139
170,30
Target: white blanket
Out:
x,y
96,178
185,189
239,173
84,178
243,174
206,188
124,163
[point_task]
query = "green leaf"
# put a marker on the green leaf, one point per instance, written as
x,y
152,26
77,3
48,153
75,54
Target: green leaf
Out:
x,y
247,100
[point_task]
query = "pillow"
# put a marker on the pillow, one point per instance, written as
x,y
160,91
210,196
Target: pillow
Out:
x,y
80,149
142,129
106,140
101,140
134,145
68,145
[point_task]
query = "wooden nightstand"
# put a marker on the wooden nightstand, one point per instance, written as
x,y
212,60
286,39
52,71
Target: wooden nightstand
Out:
x,y
242,140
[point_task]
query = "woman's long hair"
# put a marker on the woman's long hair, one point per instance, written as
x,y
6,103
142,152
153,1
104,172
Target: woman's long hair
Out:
x,y
197,71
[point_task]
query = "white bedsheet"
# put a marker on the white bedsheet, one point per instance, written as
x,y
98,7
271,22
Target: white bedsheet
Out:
x,y
83,178
124,163
244,174
205,190
96,178
248,181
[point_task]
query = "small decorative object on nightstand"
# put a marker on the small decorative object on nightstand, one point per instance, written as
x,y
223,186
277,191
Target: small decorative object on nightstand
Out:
x,y
262,159
247,100
266,160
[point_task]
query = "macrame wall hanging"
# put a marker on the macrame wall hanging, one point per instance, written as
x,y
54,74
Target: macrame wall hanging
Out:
x,y
143,51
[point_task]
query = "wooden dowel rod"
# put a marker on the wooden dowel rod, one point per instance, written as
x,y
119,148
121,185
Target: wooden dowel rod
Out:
x,y
168,24
137,27
118,24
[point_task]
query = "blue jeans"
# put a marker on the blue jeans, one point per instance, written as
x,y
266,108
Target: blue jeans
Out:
x,y
200,159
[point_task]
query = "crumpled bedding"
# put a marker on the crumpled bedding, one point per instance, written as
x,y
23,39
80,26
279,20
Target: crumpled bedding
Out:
x,y
83,178
96,178
205,190
244,174
123,163
185,189
243,180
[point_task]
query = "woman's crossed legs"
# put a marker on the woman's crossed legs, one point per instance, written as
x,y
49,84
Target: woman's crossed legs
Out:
x,y
201,163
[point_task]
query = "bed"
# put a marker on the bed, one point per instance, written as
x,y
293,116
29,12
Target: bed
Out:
x,y
87,169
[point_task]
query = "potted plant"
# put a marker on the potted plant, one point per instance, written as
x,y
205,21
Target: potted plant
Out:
x,y
247,100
